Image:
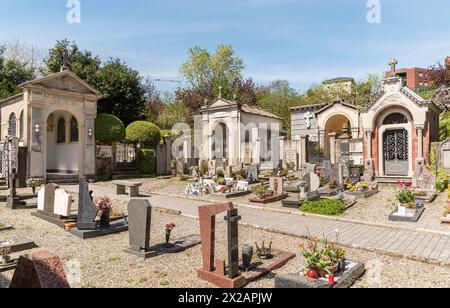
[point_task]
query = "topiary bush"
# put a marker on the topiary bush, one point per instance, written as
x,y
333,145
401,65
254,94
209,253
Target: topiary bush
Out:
x,y
147,161
144,132
323,207
109,129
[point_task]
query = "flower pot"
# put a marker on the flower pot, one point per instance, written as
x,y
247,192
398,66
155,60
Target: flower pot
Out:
x,y
168,237
105,218
247,255
69,225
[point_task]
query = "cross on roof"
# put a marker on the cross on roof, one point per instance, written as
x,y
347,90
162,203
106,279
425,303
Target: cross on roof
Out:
x,y
392,63
220,91
65,59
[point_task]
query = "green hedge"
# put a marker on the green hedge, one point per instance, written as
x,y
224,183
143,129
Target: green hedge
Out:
x,y
147,162
144,132
109,129
323,207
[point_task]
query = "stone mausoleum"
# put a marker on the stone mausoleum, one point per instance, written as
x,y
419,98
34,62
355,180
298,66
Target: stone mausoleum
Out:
x,y
391,134
54,120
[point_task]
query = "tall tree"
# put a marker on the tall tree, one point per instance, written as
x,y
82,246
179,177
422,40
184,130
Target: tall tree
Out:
x,y
82,63
278,98
440,75
123,91
13,72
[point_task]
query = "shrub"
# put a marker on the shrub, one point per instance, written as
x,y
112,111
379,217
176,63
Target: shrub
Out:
x,y
220,173
204,168
147,162
109,129
144,132
323,207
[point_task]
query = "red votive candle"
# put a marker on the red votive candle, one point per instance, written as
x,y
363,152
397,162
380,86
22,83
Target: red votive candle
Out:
x,y
331,280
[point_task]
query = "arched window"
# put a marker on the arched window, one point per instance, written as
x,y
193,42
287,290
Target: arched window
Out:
x,y
21,125
61,131
73,130
12,128
395,118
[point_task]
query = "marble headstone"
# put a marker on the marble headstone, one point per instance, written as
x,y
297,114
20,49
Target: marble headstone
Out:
x,y
63,203
139,221
312,180
46,198
87,211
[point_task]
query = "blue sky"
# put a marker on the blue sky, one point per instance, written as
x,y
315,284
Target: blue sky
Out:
x,y
303,41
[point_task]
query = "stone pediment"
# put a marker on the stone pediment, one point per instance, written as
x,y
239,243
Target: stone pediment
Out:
x,y
220,103
64,81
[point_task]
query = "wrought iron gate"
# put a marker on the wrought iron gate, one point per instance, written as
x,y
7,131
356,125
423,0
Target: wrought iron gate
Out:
x,y
125,153
396,152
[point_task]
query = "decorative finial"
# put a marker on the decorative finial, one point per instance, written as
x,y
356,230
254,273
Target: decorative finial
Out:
x,y
220,91
392,63
65,59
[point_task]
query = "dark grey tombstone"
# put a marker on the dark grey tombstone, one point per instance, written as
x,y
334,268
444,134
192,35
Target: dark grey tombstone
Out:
x,y
232,219
87,211
139,220
252,173
13,202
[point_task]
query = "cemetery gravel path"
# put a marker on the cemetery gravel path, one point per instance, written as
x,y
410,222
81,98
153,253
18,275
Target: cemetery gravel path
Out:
x,y
411,244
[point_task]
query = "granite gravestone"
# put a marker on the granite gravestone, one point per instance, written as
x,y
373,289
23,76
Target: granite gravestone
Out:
x,y
276,185
334,176
87,211
423,179
13,202
214,271
368,172
139,219
39,270
252,173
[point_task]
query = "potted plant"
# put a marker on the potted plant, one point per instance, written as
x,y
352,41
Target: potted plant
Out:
x,y
5,257
169,228
264,252
290,167
104,205
406,202
33,183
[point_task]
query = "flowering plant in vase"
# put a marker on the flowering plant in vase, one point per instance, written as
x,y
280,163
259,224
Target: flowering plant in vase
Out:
x,y
169,228
104,205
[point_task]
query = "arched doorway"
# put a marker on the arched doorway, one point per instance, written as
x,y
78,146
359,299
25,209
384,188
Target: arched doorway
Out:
x,y
340,126
62,143
395,142
219,147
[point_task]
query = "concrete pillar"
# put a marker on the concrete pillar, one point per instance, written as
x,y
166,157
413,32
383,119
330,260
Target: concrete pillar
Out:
x,y
420,143
332,149
303,147
281,145
187,148
82,151
369,144
256,146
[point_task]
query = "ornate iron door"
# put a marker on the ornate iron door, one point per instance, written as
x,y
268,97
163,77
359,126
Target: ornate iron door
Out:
x,y
396,152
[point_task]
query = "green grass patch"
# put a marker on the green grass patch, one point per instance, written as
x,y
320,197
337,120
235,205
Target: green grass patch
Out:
x,y
323,207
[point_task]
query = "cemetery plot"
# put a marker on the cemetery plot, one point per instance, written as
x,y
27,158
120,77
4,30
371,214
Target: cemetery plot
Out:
x,y
272,194
409,209
87,227
55,206
231,276
362,190
139,219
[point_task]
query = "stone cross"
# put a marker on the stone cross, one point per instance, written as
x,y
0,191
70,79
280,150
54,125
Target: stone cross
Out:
x,y
232,219
308,117
220,91
392,63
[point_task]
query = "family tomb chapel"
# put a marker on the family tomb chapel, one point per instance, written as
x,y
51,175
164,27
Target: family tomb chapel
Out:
x,y
54,119
240,133
391,135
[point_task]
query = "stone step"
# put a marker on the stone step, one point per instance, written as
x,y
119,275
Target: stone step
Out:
x,y
391,179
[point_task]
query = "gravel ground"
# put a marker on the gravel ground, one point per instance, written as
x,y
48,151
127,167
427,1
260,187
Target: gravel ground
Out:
x,y
375,209
104,264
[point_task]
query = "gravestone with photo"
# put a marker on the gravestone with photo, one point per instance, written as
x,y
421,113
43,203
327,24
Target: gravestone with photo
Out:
x,y
276,186
252,173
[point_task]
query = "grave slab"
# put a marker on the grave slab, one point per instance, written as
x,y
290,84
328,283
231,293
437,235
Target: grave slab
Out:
x,y
180,245
55,219
116,227
300,281
414,218
5,227
362,194
18,244
294,201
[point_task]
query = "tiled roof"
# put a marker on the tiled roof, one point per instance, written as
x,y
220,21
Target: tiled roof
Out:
x,y
258,111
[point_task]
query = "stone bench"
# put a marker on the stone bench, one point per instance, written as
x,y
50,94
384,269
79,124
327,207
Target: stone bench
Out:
x,y
133,186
